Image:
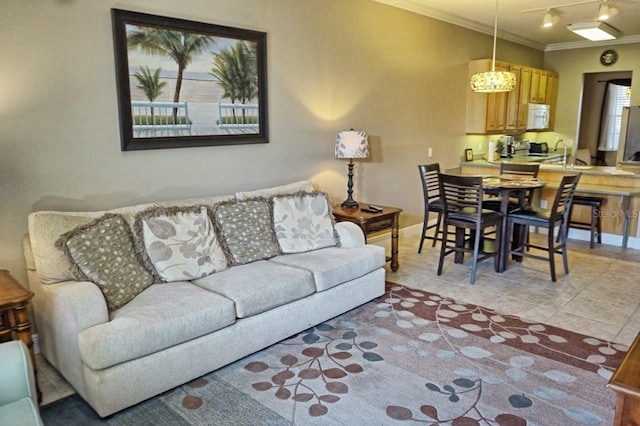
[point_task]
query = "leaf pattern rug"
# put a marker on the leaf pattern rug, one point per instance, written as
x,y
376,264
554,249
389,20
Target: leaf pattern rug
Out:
x,y
409,357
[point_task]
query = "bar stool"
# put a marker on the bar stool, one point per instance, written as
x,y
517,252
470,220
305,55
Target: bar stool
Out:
x,y
595,225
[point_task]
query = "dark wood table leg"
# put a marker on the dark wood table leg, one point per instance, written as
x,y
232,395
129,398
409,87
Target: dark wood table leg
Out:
x,y
395,232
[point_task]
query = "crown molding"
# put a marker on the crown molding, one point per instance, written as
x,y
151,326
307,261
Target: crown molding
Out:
x,y
461,22
421,9
586,43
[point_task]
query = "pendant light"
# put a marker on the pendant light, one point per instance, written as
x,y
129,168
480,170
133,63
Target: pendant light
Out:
x,y
493,81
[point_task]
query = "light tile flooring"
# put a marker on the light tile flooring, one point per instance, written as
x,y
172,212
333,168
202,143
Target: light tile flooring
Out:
x,y
600,297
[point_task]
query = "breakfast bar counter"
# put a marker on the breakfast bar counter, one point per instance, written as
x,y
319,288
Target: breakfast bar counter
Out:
x,y
619,187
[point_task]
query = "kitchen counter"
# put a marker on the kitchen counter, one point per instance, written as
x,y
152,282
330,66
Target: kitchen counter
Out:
x,y
619,187
630,172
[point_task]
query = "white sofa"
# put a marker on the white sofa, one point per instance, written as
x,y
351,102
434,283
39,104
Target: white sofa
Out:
x,y
172,333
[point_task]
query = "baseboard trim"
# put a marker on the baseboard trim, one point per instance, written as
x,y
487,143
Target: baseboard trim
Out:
x,y
574,234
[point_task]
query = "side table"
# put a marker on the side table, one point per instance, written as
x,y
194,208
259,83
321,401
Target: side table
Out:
x,y
626,383
388,218
14,318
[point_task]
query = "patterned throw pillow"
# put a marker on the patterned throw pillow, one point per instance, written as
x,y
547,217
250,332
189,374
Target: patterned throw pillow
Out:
x,y
246,231
102,252
179,243
303,222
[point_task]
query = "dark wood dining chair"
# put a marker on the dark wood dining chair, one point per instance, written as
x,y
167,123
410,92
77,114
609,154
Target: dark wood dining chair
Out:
x,y
432,202
462,201
556,217
517,171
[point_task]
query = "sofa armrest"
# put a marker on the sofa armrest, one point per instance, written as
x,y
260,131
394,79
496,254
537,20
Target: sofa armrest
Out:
x,y
76,305
350,235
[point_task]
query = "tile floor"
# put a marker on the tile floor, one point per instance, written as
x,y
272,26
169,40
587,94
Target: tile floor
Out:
x,y
600,297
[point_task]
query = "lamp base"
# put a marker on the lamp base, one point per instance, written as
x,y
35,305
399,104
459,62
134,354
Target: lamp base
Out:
x,y
349,204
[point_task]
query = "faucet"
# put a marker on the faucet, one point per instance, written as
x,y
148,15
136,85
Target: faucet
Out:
x,y
564,155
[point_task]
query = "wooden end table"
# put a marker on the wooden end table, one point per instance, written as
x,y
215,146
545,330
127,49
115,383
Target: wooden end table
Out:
x,y
388,218
626,383
14,317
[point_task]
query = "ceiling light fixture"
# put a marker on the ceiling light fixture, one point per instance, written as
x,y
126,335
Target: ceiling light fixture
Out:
x,y
594,30
547,21
604,12
493,81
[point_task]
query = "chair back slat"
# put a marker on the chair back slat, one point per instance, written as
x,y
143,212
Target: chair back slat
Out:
x,y
430,186
460,192
564,196
522,170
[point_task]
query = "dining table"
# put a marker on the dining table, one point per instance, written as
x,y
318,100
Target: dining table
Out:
x,y
508,186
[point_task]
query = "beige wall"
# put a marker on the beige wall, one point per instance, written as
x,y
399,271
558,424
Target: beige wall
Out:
x,y
572,65
332,65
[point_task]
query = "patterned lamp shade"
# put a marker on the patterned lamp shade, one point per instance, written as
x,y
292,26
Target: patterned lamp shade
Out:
x,y
493,82
352,144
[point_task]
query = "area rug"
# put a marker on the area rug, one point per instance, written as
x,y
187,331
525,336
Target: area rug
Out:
x,y
409,357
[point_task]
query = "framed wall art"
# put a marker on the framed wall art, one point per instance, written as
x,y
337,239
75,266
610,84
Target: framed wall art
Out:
x,y
468,154
185,83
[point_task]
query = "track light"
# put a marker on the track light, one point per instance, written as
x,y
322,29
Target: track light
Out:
x,y
604,12
547,21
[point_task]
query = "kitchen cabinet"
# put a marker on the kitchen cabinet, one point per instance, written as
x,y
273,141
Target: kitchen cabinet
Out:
x,y
538,91
499,113
518,100
497,107
552,97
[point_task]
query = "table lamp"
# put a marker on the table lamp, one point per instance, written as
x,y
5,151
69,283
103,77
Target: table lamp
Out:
x,y
351,144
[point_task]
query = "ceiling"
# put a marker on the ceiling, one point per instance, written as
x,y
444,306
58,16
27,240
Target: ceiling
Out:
x,y
522,27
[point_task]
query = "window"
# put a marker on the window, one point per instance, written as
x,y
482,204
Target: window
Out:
x,y
616,97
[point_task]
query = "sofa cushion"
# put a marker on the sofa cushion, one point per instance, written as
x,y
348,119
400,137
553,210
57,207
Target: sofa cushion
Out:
x,y
258,287
291,188
179,243
246,231
303,222
46,227
160,317
334,265
102,252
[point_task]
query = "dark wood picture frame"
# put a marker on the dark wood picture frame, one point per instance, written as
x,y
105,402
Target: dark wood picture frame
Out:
x,y
174,103
468,154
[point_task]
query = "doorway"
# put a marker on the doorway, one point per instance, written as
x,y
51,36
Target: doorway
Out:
x,y
592,128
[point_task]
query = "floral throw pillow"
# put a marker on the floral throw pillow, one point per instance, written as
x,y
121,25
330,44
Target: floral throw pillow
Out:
x,y
102,251
179,243
303,222
245,228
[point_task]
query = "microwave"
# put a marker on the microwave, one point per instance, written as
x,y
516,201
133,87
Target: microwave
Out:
x,y
538,117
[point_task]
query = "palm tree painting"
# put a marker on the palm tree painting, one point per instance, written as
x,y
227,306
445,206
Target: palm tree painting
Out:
x,y
184,83
235,70
179,46
150,84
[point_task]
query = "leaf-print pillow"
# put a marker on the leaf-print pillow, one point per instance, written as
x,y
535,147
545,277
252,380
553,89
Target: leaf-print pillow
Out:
x,y
179,243
102,252
303,222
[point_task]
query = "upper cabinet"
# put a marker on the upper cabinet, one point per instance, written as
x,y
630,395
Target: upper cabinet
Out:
x,y
507,112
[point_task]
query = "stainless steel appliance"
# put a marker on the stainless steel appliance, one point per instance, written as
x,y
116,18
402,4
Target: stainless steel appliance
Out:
x,y
507,142
539,147
630,132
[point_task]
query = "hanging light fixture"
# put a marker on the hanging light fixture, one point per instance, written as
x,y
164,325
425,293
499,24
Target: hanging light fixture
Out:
x,y
493,81
604,11
547,21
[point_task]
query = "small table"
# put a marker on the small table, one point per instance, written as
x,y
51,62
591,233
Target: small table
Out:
x,y
626,383
14,318
507,186
388,218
